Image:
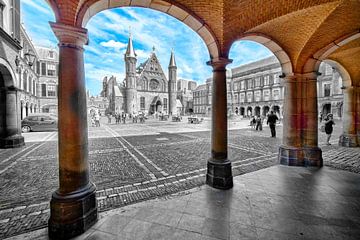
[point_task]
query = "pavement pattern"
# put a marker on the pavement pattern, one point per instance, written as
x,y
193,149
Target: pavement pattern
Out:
x,y
136,162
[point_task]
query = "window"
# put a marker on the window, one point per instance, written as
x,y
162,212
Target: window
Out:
x,y
43,69
51,69
242,85
15,19
165,104
327,88
266,80
37,67
34,88
51,54
257,82
250,83
51,90
30,84
142,103
276,78
2,6
43,90
25,81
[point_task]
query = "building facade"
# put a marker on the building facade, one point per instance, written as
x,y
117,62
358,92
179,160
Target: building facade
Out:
x,y
147,89
47,70
256,88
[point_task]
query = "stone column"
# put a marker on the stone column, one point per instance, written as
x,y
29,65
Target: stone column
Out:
x,y
73,207
219,174
300,122
351,118
10,122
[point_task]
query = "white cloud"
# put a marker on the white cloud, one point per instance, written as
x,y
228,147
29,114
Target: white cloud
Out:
x,y
37,6
113,44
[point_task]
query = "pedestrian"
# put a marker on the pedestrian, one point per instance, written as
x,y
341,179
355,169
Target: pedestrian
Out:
x,y
252,122
97,120
123,116
109,118
258,123
271,121
329,122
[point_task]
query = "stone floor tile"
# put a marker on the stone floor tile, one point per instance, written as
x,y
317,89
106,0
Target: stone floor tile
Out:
x,y
114,224
215,228
168,217
185,235
243,232
240,217
159,232
137,226
191,223
98,235
265,234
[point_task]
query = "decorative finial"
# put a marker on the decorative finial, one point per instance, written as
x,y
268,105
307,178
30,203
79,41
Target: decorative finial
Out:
x,y
153,48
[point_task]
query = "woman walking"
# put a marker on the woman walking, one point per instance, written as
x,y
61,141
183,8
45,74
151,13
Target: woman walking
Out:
x,y
329,122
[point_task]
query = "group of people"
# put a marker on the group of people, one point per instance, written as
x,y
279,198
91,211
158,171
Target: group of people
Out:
x,y
121,117
256,122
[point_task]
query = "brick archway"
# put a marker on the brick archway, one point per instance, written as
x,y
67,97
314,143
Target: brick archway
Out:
x,y
177,11
274,47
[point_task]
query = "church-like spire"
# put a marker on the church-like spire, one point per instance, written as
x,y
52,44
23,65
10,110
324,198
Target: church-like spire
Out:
x,y
130,49
172,59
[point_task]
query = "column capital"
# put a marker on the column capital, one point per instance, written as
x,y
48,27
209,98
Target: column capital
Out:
x,y
69,35
219,64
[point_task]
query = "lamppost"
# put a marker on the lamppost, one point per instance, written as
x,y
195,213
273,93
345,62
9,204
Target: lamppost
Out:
x,y
30,58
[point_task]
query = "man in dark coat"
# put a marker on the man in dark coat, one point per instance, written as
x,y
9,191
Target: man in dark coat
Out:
x,y
271,121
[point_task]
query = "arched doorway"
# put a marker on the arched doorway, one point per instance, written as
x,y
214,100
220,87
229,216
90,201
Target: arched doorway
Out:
x,y
257,111
242,111
158,106
326,109
10,133
249,111
266,110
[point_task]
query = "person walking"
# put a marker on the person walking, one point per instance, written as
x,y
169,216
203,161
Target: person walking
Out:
x,y
97,120
329,122
271,121
258,123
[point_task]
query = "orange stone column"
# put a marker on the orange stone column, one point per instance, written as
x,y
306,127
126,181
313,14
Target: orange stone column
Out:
x,y
73,207
300,129
351,118
219,174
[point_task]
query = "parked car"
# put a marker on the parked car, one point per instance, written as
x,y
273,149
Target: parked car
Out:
x,y
40,122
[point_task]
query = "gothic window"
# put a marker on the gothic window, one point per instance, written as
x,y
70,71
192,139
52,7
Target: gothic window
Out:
x,y
165,104
25,79
154,84
327,88
30,84
142,103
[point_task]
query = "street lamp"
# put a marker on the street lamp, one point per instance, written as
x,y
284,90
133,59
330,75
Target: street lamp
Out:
x,y
30,57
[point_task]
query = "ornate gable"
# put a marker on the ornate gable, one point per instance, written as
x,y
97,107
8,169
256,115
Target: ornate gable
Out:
x,y
151,76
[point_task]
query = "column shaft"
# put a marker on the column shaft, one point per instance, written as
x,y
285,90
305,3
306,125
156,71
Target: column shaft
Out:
x,y
219,174
300,130
351,118
73,206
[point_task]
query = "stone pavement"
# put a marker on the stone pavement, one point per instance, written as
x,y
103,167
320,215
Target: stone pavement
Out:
x,y
131,168
277,203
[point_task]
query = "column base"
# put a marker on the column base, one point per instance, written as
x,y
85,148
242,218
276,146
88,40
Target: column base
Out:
x,y
14,141
349,140
71,215
302,157
219,174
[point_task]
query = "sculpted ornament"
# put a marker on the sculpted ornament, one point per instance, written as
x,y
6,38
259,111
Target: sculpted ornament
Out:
x,y
154,84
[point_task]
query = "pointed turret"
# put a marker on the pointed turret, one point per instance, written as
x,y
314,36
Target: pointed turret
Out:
x,y
130,49
172,62
172,84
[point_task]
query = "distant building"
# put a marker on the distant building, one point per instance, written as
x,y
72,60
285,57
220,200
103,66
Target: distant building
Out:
x,y
47,69
146,87
256,88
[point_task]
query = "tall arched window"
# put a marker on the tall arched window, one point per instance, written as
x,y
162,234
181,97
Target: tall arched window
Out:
x,y
25,79
142,103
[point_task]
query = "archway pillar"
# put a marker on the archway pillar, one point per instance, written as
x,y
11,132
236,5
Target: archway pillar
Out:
x,y
300,129
73,207
351,118
219,174
10,123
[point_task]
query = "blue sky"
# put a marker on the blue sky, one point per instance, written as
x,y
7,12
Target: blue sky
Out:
x,y
108,35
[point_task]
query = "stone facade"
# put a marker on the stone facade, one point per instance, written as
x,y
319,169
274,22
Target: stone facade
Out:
x,y
147,89
256,88
47,69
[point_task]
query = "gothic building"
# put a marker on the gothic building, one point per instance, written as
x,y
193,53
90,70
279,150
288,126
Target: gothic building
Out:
x,y
146,87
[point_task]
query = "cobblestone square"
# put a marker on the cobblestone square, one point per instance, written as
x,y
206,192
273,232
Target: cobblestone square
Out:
x,y
135,162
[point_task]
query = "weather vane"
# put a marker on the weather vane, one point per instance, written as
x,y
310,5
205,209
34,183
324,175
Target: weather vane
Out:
x,y
153,48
